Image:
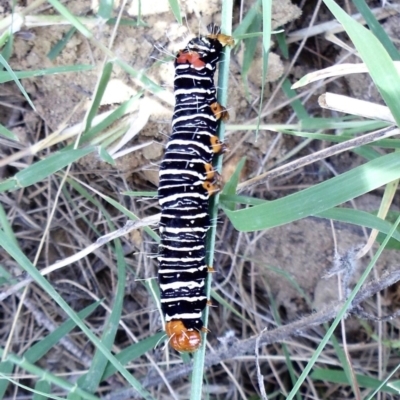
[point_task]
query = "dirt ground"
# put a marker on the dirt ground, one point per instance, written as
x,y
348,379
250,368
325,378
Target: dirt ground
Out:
x,y
300,252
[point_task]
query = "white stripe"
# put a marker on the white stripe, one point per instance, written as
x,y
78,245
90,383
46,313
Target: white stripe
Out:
x,y
178,196
197,46
194,77
205,133
179,271
197,216
180,285
188,162
191,91
189,299
188,188
184,230
180,259
188,143
183,316
192,117
194,107
180,172
181,240
183,248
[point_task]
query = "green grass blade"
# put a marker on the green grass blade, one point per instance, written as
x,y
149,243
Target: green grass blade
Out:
x,y
320,197
7,50
377,28
341,314
250,49
44,387
105,156
7,76
71,18
38,350
8,134
119,112
132,216
60,45
225,304
127,22
27,266
359,218
296,104
90,382
6,369
267,26
6,226
231,185
266,17
380,66
100,89
46,375
133,352
222,95
174,4
288,361
336,376
105,9
140,194
44,168
243,28
16,80
282,44
384,143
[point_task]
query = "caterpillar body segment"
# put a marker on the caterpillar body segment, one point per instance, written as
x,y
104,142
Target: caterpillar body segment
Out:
x,y
187,180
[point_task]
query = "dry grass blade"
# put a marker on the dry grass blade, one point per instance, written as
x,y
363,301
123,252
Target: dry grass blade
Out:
x,y
357,107
335,71
320,155
101,241
335,27
297,328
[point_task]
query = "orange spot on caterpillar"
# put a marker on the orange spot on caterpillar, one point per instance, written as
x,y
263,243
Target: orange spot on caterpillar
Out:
x,y
219,111
191,58
217,146
210,269
211,187
211,174
181,338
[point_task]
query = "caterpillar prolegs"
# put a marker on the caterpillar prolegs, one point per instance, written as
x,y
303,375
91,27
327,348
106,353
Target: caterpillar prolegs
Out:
x,y
187,180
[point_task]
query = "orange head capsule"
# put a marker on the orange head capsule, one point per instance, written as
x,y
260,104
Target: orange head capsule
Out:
x,y
181,338
225,40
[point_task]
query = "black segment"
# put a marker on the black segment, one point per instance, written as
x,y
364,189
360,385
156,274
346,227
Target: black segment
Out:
x,y
183,171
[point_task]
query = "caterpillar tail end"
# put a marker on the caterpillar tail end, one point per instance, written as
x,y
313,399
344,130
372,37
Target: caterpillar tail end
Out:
x,y
182,339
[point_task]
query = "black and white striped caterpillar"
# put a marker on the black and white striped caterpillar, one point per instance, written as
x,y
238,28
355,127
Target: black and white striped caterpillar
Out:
x,y
187,180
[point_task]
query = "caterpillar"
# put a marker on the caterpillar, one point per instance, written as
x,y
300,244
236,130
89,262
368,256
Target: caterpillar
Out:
x,y
186,181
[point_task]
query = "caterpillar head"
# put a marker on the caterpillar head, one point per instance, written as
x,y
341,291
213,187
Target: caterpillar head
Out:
x,y
181,338
204,46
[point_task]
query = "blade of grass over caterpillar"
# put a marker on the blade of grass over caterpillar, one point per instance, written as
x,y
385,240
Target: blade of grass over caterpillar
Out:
x,y
222,95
